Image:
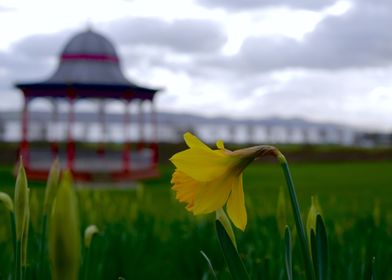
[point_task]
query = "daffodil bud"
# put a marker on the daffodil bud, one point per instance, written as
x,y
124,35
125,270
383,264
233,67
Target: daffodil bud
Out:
x,y
281,212
314,210
51,186
89,233
64,235
7,201
21,201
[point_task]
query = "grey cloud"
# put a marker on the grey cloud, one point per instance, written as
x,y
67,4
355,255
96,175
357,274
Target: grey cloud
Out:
x,y
30,59
15,66
358,38
186,36
319,94
41,46
238,5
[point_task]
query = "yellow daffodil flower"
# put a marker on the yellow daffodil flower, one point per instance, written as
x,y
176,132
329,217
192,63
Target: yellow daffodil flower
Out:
x,y
207,179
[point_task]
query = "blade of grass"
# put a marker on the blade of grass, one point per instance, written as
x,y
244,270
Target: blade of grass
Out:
x,y
288,254
373,274
209,264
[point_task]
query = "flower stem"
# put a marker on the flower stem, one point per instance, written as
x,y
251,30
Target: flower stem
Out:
x,y
297,217
86,264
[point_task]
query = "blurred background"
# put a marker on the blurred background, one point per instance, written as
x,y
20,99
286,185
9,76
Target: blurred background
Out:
x,y
246,72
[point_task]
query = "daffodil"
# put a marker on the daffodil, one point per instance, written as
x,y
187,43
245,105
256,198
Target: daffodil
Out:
x,y
207,179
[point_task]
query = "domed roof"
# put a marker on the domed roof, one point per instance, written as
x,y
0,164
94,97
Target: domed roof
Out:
x,y
89,58
89,43
90,65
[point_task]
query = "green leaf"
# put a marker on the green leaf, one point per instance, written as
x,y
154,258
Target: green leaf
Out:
x,y
288,254
322,248
236,267
319,247
313,248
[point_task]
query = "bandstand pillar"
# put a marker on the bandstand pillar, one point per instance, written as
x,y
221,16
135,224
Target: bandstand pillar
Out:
x,y
127,145
54,145
102,120
24,145
70,139
141,124
154,140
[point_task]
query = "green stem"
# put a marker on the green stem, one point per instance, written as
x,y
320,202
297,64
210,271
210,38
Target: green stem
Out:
x,y
86,265
42,245
13,232
24,272
297,217
18,263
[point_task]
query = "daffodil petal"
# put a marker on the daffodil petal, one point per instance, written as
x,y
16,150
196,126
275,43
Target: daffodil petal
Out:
x,y
185,188
201,165
193,142
220,145
236,204
212,195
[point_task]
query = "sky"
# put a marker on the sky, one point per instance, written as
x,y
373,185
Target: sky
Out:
x,y
321,60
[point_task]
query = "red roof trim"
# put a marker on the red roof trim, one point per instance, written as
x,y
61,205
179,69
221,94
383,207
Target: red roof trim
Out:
x,y
97,57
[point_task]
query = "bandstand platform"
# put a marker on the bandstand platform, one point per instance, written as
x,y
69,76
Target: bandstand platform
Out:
x,y
90,166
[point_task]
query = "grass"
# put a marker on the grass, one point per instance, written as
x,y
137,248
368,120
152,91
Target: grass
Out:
x,y
147,234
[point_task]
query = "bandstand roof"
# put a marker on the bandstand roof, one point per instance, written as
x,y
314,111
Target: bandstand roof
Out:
x,y
89,67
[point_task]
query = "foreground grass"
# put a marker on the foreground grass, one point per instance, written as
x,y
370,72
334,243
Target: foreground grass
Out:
x,y
147,234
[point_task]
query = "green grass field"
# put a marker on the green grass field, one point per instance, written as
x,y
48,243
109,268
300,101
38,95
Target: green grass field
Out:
x,y
346,190
147,234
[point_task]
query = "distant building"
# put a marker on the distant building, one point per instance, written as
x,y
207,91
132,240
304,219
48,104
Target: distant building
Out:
x,y
89,69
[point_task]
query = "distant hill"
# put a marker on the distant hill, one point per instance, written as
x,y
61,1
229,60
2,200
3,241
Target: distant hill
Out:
x,y
180,120
189,119
171,126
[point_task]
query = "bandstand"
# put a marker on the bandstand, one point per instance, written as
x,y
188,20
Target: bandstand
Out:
x,y
89,69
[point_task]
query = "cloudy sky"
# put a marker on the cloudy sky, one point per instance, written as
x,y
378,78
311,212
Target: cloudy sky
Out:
x,y
322,60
